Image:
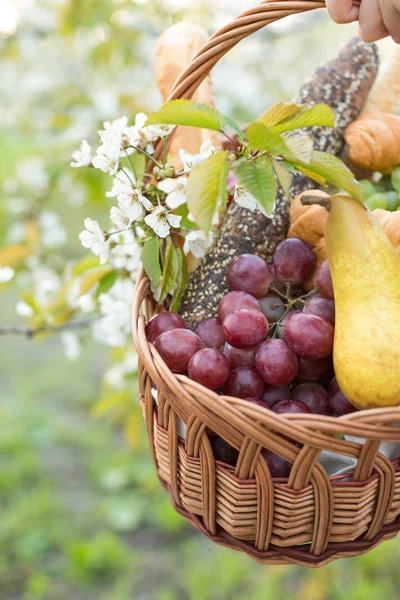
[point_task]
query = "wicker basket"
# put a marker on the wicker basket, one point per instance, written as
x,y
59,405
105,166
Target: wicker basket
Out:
x,y
309,519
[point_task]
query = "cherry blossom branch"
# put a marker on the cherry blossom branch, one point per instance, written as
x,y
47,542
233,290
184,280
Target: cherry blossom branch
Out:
x,y
31,332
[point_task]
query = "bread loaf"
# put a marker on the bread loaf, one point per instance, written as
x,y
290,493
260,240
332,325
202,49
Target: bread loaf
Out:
x,y
174,50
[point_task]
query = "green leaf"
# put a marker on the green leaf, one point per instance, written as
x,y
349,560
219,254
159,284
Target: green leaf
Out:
x,y
85,265
231,123
259,180
191,114
279,112
182,280
151,260
106,282
319,115
285,178
206,186
262,137
170,272
186,223
187,112
302,147
326,167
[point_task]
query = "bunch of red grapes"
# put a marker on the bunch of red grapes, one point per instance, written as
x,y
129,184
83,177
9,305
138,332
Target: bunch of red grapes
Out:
x,y
271,343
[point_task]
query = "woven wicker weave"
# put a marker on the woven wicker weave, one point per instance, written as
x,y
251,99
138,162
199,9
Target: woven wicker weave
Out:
x,y
309,519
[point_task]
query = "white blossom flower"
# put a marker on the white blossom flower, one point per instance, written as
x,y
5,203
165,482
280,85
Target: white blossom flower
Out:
x,y
93,238
23,309
175,190
47,284
133,203
6,274
161,221
86,303
115,375
83,156
53,234
192,160
31,171
244,199
159,130
122,183
126,253
119,218
115,306
138,134
197,243
111,137
108,164
72,345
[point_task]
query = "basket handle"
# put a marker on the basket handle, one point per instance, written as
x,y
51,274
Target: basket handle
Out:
x,y
227,37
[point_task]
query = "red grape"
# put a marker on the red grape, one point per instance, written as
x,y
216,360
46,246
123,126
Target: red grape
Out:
x,y
333,388
314,395
280,327
210,333
234,301
245,328
276,362
210,368
249,273
323,280
244,382
176,348
274,394
223,451
338,401
241,357
340,405
291,407
163,322
278,466
294,260
322,307
309,336
314,370
273,307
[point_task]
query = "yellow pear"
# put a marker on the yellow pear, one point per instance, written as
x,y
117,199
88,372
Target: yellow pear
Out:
x,y
366,281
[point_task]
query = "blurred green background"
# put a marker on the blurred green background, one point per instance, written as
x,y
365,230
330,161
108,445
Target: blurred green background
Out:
x,y
82,515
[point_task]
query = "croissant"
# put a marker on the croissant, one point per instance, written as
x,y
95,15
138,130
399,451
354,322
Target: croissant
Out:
x,y
374,142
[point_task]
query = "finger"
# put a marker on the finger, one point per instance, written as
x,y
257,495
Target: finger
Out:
x,y
342,11
371,24
391,18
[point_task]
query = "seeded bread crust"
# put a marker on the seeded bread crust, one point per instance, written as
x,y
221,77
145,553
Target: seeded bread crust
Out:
x,y
343,84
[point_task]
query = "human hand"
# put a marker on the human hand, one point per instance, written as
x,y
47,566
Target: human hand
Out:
x,y
377,18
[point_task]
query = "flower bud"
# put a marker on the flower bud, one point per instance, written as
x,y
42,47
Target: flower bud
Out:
x,y
169,170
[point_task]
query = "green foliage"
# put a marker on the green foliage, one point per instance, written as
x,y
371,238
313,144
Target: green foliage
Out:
x,y
319,115
326,167
170,271
102,557
182,279
262,137
259,180
207,188
151,260
187,112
